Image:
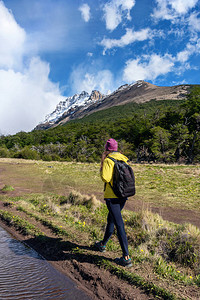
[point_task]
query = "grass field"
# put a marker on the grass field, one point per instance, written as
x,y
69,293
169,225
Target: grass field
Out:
x,y
161,185
63,197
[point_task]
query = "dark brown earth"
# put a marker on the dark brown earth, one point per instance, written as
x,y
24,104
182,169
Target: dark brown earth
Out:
x,y
171,214
96,282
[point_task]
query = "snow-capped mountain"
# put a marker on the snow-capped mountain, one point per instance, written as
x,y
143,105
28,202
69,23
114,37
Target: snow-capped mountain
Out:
x,y
84,104
64,106
69,105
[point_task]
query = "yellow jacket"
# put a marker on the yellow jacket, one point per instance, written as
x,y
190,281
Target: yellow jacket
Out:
x,y
107,173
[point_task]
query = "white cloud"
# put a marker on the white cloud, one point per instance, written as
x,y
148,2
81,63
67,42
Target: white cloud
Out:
x,y
147,67
27,93
170,9
84,78
182,6
161,11
12,39
183,56
129,38
25,97
194,22
85,12
115,11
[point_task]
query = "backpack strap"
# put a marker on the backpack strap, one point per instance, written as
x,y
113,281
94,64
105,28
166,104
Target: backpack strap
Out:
x,y
114,160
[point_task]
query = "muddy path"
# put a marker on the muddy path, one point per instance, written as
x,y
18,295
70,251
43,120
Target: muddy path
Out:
x,y
171,214
82,267
97,283
34,184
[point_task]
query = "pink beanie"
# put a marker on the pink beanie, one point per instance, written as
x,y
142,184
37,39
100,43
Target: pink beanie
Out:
x,y
111,145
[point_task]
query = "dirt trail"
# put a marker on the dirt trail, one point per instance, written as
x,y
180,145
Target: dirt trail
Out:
x,y
96,282
171,214
175,215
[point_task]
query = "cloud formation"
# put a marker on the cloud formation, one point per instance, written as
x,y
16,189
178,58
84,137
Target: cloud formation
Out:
x,y
194,22
141,47
150,67
84,78
183,56
117,10
129,38
182,6
85,12
12,40
170,9
26,90
25,97
147,67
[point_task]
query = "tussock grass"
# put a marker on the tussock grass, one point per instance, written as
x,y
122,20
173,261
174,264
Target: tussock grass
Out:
x,y
76,198
168,251
156,185
65,200
7,188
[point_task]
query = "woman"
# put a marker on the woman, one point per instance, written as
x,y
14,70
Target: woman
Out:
x,y
114,204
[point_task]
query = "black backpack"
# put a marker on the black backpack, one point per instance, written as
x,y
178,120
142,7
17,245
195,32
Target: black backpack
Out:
x,y
123,179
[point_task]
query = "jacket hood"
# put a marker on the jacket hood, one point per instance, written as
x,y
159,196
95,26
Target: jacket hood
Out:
x,y
118,156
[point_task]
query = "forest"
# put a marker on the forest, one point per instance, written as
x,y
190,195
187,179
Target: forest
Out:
x,y
166,131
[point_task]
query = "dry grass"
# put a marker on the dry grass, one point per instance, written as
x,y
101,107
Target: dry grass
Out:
x,y
158,185
163,253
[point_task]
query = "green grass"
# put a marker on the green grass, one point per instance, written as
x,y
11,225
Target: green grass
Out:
x,y
158,185
7,188
22,225
139,281
164,254
63,197
169,185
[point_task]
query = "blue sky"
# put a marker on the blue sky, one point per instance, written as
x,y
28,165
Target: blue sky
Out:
x,y
51,49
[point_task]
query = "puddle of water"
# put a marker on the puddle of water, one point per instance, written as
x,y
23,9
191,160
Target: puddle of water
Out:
x,y
24,274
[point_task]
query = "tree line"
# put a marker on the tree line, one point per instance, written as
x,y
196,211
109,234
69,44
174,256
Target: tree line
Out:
x,y
166,131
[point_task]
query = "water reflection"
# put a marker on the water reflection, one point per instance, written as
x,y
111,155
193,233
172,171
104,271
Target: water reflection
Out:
x,y
24,274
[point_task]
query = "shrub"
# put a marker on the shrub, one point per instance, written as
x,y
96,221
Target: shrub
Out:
x,y
46,157
76,198
63,200
178,247
27,153
7,188
55,157
4,152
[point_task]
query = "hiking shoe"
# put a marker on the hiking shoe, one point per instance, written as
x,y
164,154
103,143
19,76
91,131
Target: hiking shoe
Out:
x,y
123,262
100,247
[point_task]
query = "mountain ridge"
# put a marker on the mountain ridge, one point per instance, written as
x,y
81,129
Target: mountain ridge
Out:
x,y
83,104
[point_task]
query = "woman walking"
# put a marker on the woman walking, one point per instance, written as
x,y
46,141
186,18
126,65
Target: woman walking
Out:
x,y
114,203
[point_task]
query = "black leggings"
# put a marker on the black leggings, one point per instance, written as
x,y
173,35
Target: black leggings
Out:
x,y
115,218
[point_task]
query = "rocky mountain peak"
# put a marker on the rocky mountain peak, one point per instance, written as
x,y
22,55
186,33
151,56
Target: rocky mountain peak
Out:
x,y
69,106
96,95
83,104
